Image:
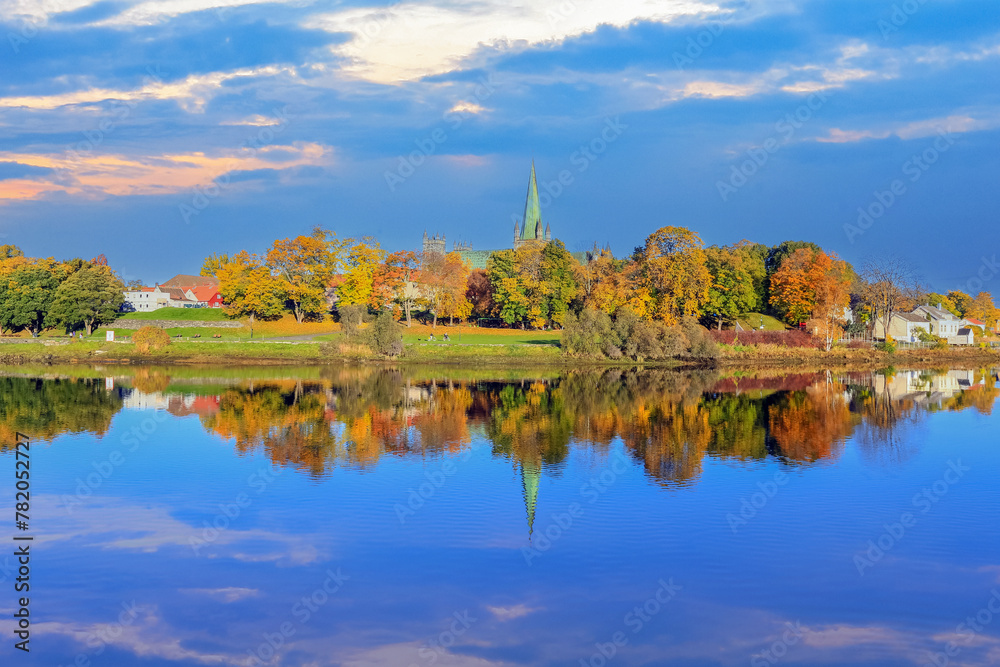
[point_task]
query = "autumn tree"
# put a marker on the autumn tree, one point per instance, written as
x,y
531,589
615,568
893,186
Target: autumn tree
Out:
x,y
443,284
962,302
213,263
793,285
89,297
479,293
357,284
945,302
304,266
833,296
673,264
8,250
393,282
984,310
604,283
249,289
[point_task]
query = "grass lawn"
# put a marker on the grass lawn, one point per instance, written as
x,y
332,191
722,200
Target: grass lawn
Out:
x,y
754,320
203,314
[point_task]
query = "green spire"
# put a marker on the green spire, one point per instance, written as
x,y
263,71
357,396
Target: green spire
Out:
x,y
530,475
532,228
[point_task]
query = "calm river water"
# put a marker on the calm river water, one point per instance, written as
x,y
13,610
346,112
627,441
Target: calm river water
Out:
x,y
359,516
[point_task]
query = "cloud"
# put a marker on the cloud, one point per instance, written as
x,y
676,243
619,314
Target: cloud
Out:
x,y
224,595
409,41
955,124
96,176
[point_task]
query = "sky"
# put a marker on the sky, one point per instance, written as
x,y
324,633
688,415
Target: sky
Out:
x,y
158,132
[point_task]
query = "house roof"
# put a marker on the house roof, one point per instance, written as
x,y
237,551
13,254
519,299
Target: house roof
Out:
x,y
935,312
187,281
176,293
204,292
975,322
964,332
910,317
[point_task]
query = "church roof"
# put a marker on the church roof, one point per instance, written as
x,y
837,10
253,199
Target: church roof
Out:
x,y
532,228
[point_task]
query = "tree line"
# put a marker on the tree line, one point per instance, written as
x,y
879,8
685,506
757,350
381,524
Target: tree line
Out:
x,y
39,293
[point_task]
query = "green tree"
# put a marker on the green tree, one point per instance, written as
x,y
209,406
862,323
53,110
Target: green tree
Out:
x,y
509,291
90,297
26,298
558,275
732,290
961,301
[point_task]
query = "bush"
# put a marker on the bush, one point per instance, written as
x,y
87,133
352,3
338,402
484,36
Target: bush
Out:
x,y
595,334
791,338
150,339
351,318
385,336
700,344
886,346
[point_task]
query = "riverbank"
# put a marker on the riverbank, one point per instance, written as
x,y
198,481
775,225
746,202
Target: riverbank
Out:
x,y
469,354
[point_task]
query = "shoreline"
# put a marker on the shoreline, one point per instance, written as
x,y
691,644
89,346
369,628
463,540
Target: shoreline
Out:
x,y
311,354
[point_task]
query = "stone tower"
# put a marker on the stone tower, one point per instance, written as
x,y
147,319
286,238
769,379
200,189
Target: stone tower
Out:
x,y
434,244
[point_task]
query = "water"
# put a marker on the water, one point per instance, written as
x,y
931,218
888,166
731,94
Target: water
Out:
x,y
445,517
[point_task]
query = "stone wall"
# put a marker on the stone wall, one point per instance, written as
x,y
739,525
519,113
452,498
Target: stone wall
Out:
x,y
171,324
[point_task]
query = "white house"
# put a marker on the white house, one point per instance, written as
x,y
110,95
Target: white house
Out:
x,y
903,326
146,299
943,323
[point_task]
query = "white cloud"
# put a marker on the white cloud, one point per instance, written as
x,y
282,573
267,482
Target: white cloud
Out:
x,y
409,40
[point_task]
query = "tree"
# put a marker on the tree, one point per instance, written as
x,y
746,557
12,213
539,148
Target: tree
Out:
x,y
509,292
90,297
944,301
27,294
249,290
833,296
304,265
793,285
673,262
604,283
984,310
886,287
962,302
213,263
357,285
732,291
558,274
479,293
393,281
8,250
444,281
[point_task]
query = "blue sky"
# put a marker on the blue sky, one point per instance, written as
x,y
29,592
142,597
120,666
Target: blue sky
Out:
x,y
160,131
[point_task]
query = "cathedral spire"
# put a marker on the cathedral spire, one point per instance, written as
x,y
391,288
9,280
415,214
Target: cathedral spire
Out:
x,y
532,211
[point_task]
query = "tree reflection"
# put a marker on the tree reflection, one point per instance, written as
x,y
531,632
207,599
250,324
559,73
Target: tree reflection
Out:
x,y
44,409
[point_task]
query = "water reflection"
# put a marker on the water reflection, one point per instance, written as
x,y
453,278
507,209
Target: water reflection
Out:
x,y
668,421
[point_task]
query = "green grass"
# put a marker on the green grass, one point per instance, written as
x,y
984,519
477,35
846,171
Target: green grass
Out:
x,y
202,314
754,320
